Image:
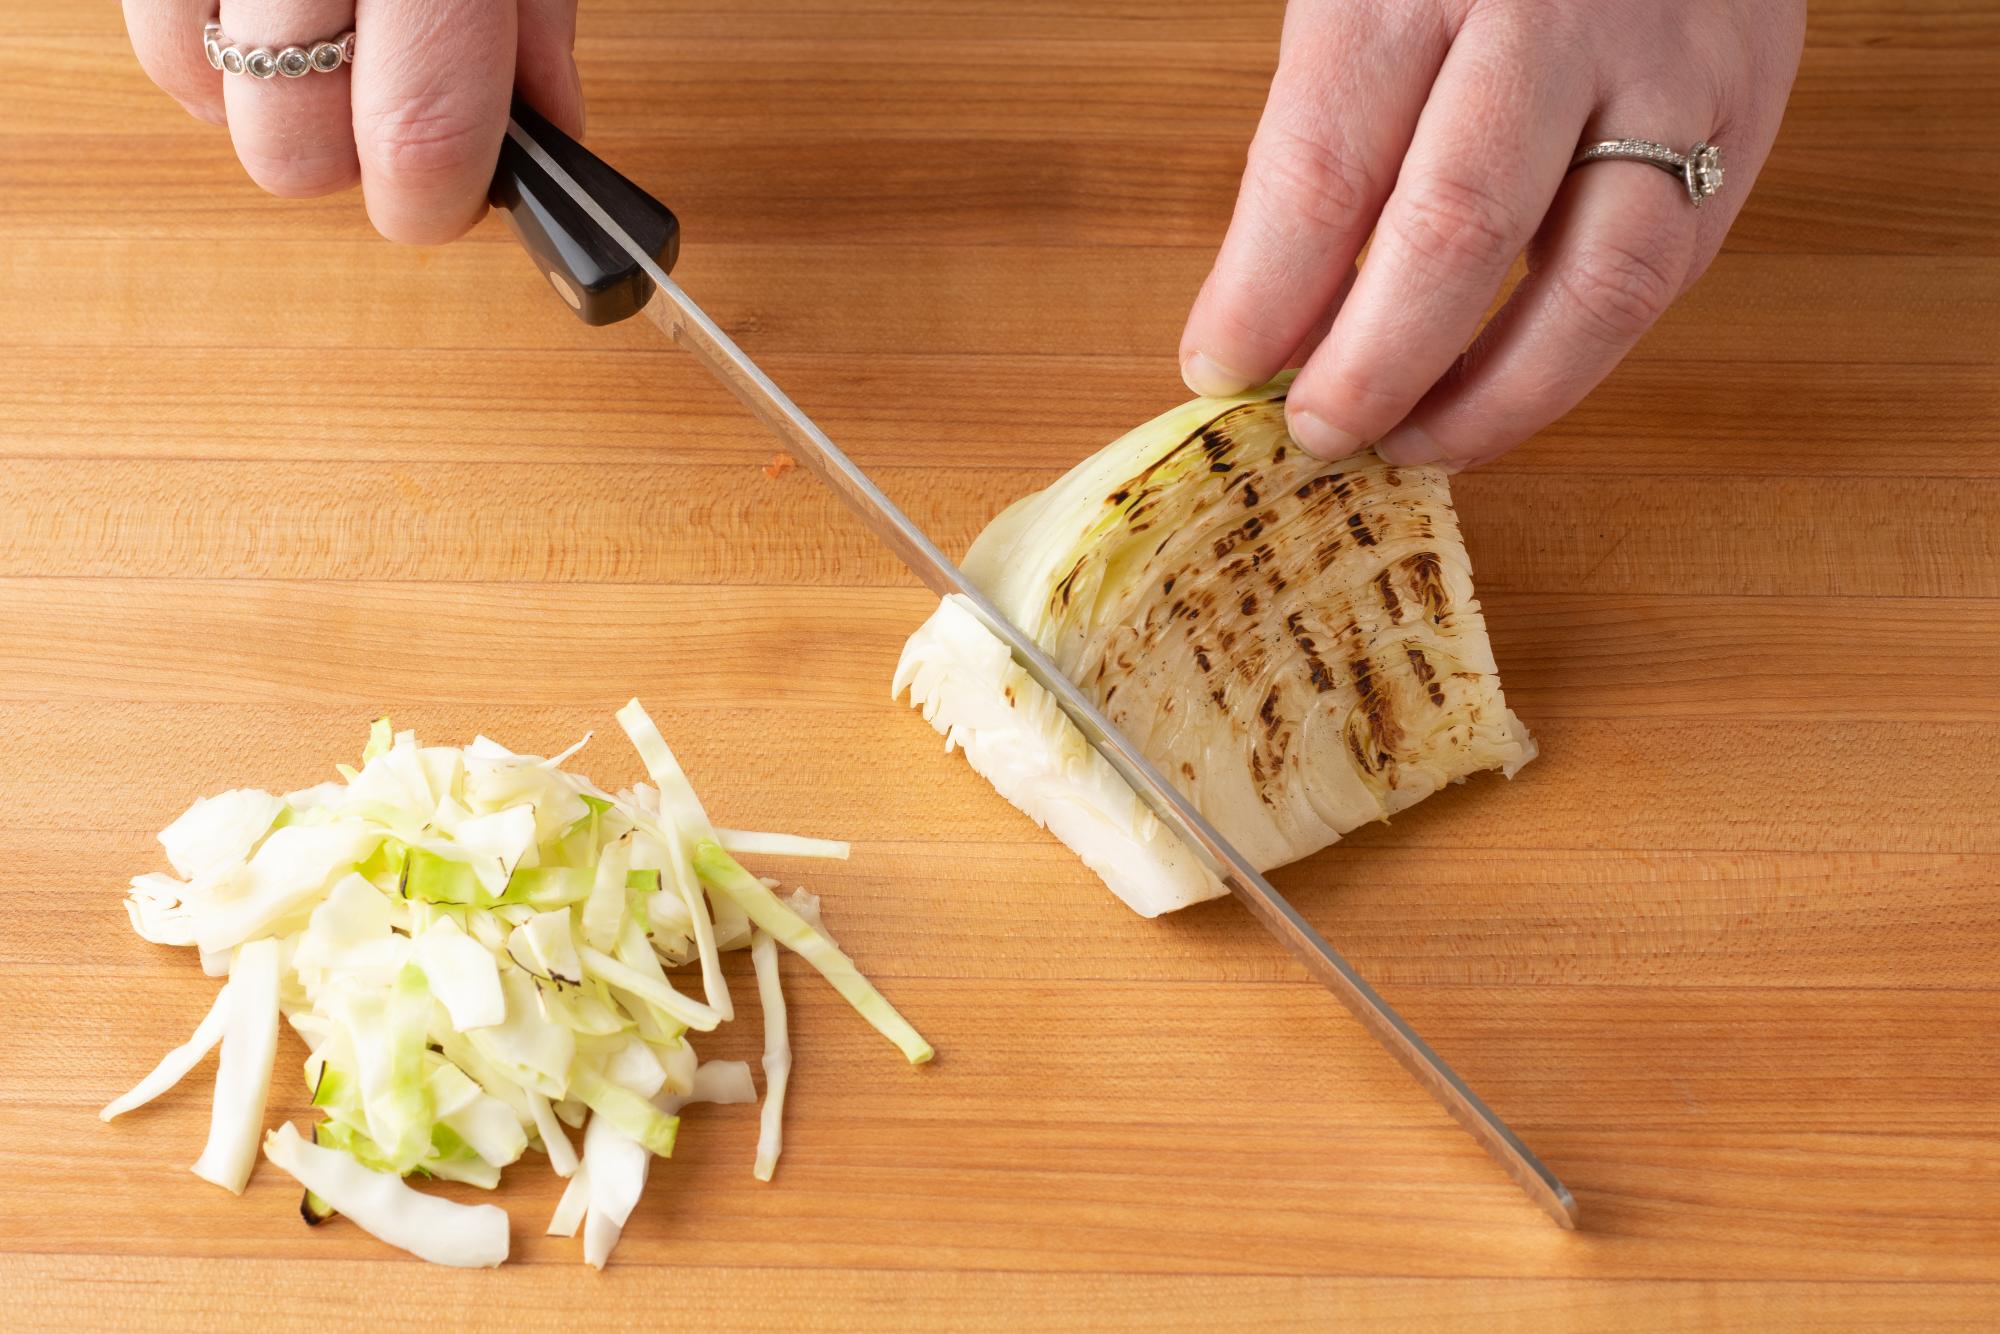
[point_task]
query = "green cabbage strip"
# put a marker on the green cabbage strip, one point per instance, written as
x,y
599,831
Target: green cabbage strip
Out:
x,y
387,1031
722,874
679,805
632,1114
654,991
604,910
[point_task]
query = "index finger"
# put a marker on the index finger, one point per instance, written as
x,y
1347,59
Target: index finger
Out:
x,y
432,81
1489,154
1350,84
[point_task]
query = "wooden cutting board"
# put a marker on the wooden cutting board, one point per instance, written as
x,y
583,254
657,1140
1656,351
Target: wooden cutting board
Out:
x,y
1728,955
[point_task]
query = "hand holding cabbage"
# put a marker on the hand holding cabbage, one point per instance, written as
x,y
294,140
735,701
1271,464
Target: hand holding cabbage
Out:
x,y
1445,129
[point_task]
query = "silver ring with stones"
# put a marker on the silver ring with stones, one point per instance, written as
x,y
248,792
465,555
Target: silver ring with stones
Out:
x,y
261,62
1700,168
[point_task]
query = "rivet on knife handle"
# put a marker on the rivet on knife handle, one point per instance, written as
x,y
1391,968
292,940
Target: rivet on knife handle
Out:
x,y
541,156
591,270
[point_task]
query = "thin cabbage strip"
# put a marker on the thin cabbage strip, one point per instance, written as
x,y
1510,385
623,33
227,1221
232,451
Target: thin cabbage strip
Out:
x,y
720,872
750,843
682,819
466,1236
243,1075
777,1053
173,1067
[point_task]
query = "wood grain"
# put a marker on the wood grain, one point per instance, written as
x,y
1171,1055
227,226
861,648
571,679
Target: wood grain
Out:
x,y
1587,533
205,1294
1728,953
1787,419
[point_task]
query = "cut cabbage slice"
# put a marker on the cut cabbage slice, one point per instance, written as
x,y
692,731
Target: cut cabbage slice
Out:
x,y
634,1116
243,1075
386,1030
634,1066
503,838
160,912
655,991
604,911
718,1082
748,843
176,1063
462,975
1013,734
288,873
465,1236
219,831
721,872
777,1054
617,1164
525,1047
544,946
490,1129
351,933
568,1216
554,1140
683,823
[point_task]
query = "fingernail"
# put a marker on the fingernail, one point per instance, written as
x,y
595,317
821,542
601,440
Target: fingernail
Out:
x,y
1409,447
1209,380
1321,437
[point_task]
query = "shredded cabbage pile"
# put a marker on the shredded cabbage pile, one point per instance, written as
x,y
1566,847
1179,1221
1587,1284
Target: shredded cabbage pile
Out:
x,y
474,944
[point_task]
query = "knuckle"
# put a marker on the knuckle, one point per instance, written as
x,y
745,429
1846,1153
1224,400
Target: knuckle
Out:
x,y
1453,225
1240,329
1555,26
1307,179
422,142
1237,320
1364,394
1617,289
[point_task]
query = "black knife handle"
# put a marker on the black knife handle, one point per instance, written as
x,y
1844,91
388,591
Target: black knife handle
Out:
x,y
593,274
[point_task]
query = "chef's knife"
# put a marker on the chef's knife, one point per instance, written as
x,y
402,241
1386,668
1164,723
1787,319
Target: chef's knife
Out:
x,y
606,246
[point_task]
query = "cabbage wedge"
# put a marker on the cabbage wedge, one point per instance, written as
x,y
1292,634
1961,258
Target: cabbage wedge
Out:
x,y
1294,643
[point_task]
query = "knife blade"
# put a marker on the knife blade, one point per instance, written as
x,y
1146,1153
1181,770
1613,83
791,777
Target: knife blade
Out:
x,y
606,247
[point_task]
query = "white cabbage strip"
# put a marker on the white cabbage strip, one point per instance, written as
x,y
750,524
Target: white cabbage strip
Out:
x,y
469,1236
475,946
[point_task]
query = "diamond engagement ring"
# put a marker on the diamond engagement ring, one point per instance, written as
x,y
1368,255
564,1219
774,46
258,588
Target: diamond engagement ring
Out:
x,y
263,63
1700,168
